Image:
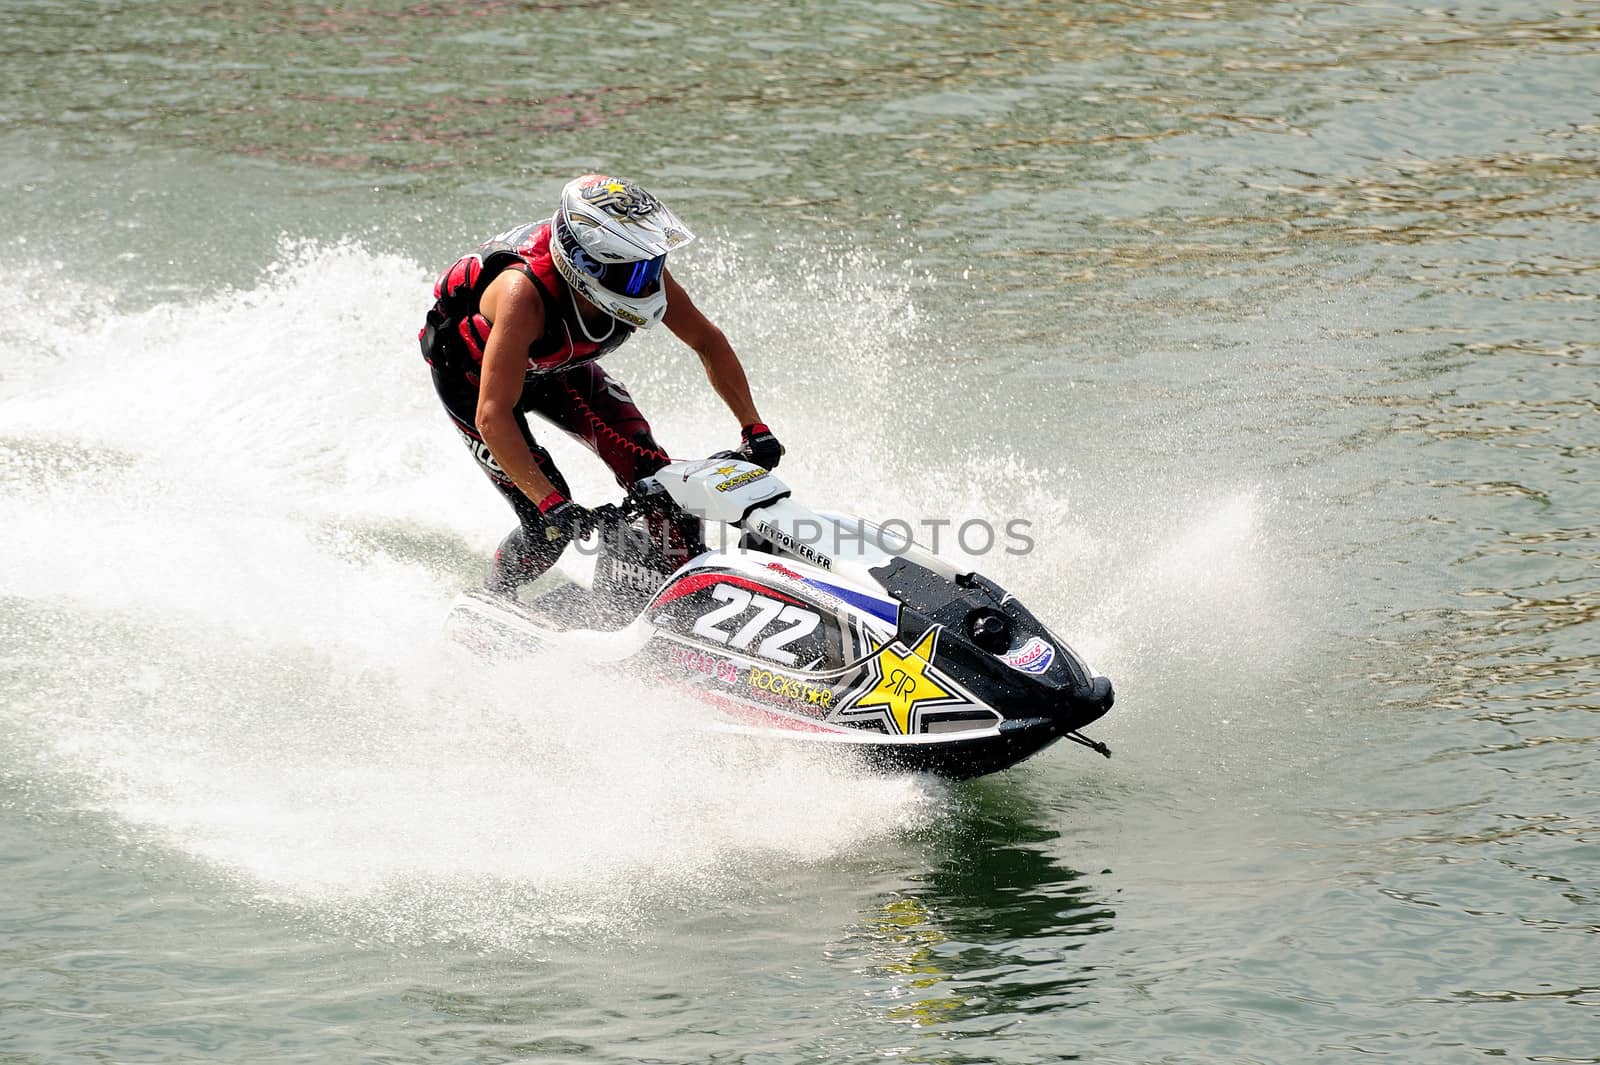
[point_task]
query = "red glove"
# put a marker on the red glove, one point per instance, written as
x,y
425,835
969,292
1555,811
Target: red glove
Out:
x,y
563,519
760,446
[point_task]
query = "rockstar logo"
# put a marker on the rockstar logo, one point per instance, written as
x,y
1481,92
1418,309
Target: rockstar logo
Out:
x,y
904,682
726,470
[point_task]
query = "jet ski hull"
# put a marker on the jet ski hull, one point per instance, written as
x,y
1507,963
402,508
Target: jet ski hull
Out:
x,y
892,657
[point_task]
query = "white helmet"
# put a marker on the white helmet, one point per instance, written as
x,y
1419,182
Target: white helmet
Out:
x,y
610,238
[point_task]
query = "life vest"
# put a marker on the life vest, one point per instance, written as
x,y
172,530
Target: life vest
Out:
x,y
456,332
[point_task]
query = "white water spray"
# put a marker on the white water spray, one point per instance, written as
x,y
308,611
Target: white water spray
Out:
x,y
234,526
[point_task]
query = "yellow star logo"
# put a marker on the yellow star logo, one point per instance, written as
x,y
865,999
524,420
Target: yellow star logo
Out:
x,y
904,681
726,470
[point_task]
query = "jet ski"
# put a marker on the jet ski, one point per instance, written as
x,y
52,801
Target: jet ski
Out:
x,y
805,626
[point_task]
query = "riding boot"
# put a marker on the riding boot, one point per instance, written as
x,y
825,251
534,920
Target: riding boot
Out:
x,y
520,559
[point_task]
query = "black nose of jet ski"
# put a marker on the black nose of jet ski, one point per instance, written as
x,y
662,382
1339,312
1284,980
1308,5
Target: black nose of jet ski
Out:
x,y
1084,705
1102,694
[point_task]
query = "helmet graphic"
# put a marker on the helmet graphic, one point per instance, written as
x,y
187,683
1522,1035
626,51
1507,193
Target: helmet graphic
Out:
x,y
609,239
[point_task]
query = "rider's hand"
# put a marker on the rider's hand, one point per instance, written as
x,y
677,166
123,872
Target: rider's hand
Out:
x,y
566,521
760,446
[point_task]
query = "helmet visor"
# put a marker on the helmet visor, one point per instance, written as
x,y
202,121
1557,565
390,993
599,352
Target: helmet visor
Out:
x,y
632,279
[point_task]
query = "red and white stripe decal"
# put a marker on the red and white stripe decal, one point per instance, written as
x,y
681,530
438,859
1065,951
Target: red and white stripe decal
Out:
x,y
695,582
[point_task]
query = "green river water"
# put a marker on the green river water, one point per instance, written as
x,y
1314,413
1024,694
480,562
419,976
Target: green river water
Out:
x,y
1278,321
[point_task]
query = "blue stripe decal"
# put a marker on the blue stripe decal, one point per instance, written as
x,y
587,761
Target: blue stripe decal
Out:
x,y
886,609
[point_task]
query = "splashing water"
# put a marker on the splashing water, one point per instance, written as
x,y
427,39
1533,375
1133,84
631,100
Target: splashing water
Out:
x,y
234,529
235,526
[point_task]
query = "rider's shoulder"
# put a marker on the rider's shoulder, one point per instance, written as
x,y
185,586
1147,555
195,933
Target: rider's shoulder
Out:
x,y
513,290
516,285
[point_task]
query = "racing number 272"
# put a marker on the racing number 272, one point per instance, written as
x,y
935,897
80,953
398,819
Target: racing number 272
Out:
x,y
798,622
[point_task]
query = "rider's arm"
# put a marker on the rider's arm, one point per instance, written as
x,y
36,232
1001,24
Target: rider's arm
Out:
x,y
512,303
723,368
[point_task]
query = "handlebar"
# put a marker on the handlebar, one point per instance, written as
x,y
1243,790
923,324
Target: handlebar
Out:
x,y
646,495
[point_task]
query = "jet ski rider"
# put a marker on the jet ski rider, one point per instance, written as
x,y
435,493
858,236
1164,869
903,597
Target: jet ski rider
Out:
x,y
517,325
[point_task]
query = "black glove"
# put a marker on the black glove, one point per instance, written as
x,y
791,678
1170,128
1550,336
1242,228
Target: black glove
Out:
x,y
567,521
760,446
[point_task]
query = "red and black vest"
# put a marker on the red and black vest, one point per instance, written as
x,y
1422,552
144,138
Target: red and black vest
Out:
x,y
457,332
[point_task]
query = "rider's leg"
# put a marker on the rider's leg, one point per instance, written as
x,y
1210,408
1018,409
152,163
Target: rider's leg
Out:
x,y
526,552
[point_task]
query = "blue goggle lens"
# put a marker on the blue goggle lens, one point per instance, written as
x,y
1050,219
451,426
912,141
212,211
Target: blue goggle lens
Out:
x,y
633,279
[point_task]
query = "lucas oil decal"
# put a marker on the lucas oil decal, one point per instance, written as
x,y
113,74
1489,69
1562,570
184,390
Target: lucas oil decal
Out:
x,y
700,662
1033,657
